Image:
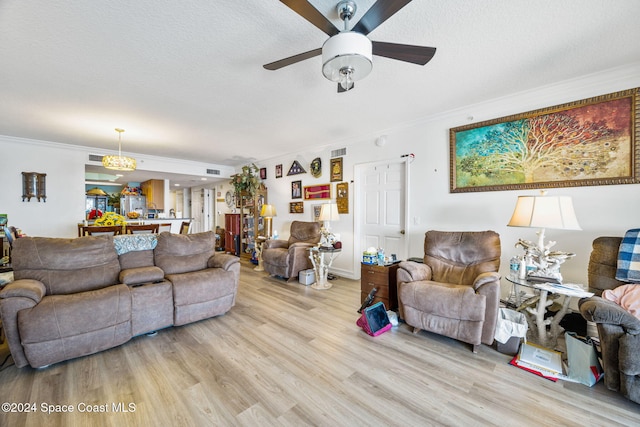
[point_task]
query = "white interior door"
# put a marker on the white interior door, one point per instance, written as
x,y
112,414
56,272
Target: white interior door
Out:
x,y
197,210
381,217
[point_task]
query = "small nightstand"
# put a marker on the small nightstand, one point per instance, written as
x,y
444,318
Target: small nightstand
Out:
x,y
382,277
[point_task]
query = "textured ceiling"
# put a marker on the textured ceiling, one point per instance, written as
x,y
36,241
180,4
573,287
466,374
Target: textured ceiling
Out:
x,y
185,79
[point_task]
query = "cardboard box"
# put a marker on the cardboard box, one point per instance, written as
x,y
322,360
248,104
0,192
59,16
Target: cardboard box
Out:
x,y
307,277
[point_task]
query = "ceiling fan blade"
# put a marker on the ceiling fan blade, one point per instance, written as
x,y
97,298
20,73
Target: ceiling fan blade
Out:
x,y
377,14
311,14
293,59
404,52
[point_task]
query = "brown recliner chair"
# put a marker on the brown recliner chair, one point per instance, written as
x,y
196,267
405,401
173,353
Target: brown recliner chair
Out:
x,y
618,330
456,292
286,258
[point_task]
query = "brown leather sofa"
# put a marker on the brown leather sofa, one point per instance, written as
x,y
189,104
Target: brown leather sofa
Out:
x,y
74,297
456,291
286,258
618,330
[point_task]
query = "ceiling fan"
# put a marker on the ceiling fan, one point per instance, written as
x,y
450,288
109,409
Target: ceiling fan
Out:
x,y
347,54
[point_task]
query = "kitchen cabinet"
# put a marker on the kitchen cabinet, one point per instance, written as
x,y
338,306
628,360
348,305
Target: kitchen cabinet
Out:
x,y
154,191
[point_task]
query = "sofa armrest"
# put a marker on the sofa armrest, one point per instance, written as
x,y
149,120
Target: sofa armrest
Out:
x,y
135,276
20,295
409,271
272,244
25,288
599,310
224,261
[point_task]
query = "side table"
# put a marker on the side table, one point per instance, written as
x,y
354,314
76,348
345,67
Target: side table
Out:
x,y
535,308
383,278
321,258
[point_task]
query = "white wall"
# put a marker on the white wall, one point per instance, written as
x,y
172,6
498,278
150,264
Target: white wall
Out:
x,y
601,210
65,204
65,168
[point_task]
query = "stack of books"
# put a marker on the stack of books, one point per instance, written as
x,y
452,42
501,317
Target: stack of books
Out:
x,y
539,360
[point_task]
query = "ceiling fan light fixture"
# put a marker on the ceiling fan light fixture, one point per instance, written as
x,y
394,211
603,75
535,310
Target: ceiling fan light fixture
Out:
x,y
347,51
119,162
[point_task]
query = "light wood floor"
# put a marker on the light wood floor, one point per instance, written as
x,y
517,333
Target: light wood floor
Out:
x,y
288,355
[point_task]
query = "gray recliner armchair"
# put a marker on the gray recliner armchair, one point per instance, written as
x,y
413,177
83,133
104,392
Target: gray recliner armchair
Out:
x,y
286,258
618,330
456,292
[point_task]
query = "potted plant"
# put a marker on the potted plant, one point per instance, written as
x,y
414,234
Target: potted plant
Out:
x,y
248,180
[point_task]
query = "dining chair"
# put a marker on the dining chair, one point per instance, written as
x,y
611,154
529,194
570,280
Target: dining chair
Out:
x,y
141,229
164,227
95,230
184,228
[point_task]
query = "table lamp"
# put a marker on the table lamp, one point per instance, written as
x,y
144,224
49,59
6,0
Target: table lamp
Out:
x,y
268,212
544,212
328,213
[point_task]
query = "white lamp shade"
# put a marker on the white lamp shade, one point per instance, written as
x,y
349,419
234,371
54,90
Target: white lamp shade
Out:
x,y
329,212
347,50
544,212
268,211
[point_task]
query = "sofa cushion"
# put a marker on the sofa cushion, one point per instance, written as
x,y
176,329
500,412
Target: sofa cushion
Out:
x,y
136,259
66,266
182,253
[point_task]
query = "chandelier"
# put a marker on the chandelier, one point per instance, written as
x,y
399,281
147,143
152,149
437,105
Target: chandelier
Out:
x,y
119,162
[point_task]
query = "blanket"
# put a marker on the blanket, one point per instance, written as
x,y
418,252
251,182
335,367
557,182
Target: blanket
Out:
x,y
134,242
629,257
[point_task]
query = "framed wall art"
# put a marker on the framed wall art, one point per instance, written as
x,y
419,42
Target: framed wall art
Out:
x,y
342,197
315,212
593,141
263,173
317,192
278,171
296,207
296,189
336,169
296,169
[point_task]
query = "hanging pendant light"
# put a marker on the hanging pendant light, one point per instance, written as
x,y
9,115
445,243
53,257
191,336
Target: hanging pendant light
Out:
x,y
119,162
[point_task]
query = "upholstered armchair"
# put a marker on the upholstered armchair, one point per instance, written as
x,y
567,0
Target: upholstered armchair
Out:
x,y
618,330
286,258
456,291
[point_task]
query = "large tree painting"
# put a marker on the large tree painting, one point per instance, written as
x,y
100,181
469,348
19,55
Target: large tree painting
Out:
x,y
588,142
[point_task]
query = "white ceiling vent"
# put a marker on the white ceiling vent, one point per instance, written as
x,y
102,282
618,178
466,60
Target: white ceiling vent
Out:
x,y
339,152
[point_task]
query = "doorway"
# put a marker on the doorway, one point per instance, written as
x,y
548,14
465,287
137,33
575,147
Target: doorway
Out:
x,y
382,213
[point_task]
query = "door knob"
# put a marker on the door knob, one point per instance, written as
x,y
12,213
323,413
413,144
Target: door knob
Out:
x,y
401,231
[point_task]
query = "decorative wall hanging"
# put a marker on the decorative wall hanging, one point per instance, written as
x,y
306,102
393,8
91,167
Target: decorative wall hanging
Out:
x,y
34,184
342,197
316,192
296,169
316,167
336,169
296,190
588,142
278,171
296,207
263,173
315,212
